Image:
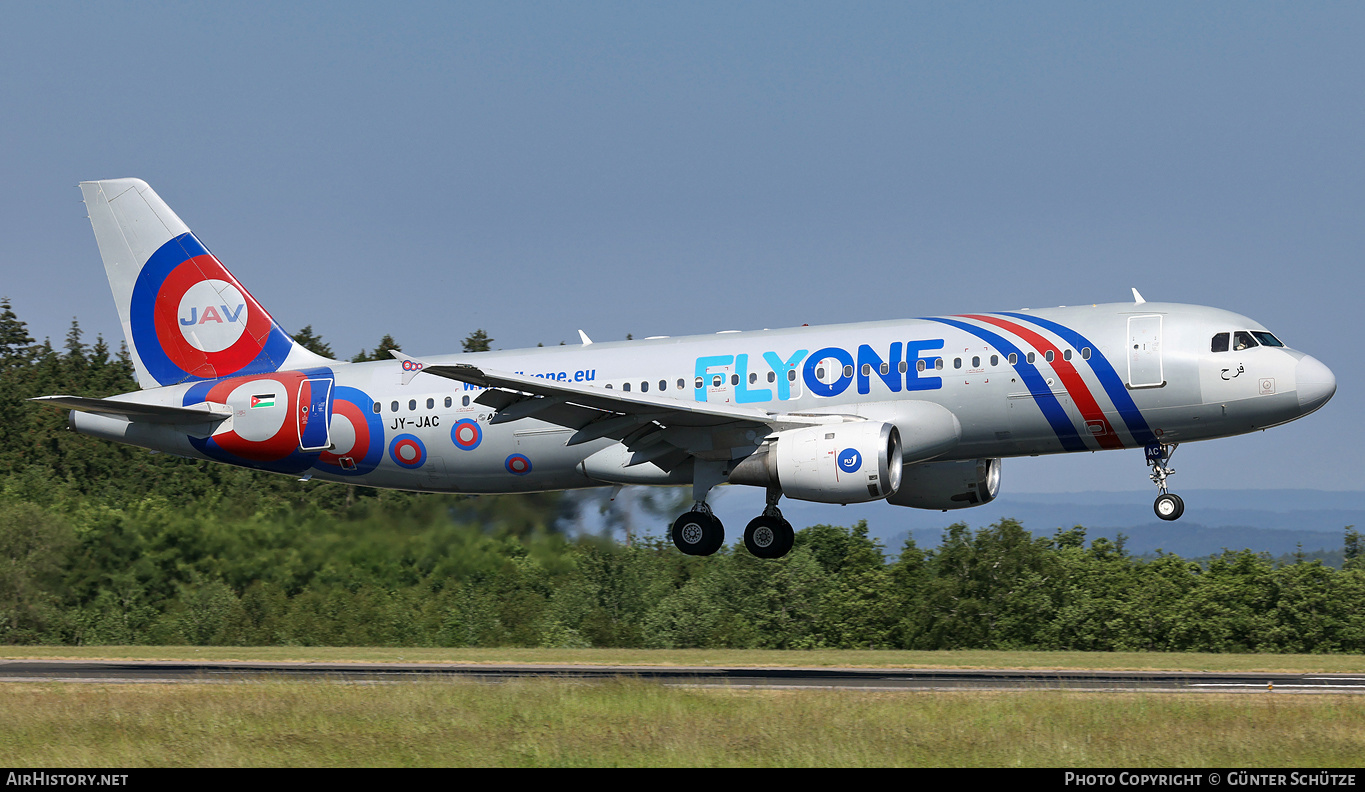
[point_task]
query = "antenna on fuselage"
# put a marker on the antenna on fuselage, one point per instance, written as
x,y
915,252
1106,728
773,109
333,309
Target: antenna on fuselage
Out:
x,y
585,338
1137,298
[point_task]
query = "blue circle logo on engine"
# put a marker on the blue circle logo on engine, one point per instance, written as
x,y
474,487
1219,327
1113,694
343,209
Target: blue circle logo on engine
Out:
x,y
850,460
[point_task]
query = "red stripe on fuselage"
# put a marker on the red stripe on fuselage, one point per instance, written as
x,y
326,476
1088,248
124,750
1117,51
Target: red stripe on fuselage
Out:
x,y
1071,379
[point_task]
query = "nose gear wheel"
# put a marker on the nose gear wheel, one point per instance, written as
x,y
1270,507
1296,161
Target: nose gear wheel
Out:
x,y
1167,506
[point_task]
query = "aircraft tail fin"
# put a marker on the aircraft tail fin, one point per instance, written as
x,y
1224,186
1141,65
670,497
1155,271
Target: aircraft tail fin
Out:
x,y
184,316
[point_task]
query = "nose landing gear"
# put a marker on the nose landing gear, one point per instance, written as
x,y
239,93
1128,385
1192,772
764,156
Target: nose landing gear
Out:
x,y
1167,506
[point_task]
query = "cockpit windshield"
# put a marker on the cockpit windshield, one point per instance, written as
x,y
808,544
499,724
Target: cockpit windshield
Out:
x,y
1243,339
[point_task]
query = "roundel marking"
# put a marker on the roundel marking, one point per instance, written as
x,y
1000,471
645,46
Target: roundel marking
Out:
x,y
190,319
218,349
466,434
264,436
357,434
407,451
518,465
850,460
209,317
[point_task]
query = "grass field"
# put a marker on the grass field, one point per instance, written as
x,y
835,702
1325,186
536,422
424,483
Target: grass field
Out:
x,y
537,723
831,658
554,723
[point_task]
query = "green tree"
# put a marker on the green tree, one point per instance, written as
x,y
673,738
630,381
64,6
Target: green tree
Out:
x,y
312,342
16,346
381,352
1353,549
477,341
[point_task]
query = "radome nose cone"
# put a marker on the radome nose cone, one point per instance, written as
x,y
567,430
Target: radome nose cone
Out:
x,y
1315,382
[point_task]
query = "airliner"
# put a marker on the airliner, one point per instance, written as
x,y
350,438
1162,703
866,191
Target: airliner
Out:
x,y
915,412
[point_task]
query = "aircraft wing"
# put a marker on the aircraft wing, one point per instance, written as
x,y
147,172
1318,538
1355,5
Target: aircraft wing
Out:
x,y
640,420
152,413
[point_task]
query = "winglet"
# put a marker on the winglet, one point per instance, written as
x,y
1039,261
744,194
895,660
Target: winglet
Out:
x,y
1137,298
411,365
584,336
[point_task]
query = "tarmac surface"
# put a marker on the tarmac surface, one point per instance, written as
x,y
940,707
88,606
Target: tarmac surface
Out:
x,y
127,671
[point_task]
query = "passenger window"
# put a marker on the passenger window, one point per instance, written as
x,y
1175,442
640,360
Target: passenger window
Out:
x,y
995,360
1066,354
734,379
904,368
867,369
1243,340
412,404
753,378
376,408
1048,355
625,386
682,382
464,402
447,401
644,387
1014,358
938,364
957,363
431,403
848,372
919,365
976,361
663,385
1029,358
1085,353
393,406
791,375
772,376
698,384
716,381
1220,343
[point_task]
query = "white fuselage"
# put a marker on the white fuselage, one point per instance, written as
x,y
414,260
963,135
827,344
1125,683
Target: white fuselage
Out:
x,y
1018,383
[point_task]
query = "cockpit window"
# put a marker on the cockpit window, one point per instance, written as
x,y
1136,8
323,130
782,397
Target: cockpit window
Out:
x,y
1220,343
1267,339
1243,340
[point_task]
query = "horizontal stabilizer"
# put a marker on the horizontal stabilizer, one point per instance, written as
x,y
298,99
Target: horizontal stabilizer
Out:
x,y
153,413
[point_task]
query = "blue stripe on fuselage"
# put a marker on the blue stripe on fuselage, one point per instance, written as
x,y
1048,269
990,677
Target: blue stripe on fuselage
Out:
x,y
1104,371
1037,385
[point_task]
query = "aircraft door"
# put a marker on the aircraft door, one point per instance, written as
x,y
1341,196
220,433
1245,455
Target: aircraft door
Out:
x,y
1144,352
315,414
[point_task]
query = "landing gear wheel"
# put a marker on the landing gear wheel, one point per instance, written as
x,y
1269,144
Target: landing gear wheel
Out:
x,y
698,533
769,536
1169,507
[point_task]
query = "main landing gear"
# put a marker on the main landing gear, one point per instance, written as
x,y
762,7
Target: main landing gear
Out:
x,y
769,535
1167,506
699,532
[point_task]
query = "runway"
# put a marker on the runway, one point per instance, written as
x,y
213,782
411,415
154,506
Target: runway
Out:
x,y
123,671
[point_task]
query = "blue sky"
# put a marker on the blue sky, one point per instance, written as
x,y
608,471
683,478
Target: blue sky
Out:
x,y
426,169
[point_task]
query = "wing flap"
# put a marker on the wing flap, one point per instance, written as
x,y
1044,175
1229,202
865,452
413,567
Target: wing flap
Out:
x,y
680,413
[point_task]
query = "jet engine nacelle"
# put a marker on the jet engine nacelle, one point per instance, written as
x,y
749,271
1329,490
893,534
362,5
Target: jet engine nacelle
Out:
x,y
852,462
948,485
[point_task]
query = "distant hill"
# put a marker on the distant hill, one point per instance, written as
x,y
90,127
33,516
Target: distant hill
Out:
x,y
1272,521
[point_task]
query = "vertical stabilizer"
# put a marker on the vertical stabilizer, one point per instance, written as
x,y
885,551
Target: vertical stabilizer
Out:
x,y
184,316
